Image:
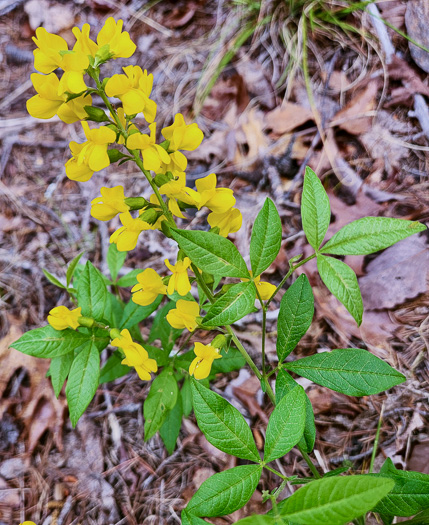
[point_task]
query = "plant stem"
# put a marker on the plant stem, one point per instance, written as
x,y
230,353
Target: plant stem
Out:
x,y
264,332
309,462
276,472
286,277
377,436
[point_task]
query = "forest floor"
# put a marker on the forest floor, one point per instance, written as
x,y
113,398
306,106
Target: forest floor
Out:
x,y
261,129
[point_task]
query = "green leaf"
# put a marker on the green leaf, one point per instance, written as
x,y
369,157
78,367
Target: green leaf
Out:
x,y
53,279
422,518
116,310
235,304
211,253
225,492
134,313
334,501
162,330
231,360
92,293
71,268
284,384
351,371
410,494
59,370
186,395
113,369
161,356
115,260
258,519
100,336
48,343
295,316
83,381
315,209
266,238
169,431
161,398
130,279
370,234
286,425
342,282
189,519
222,424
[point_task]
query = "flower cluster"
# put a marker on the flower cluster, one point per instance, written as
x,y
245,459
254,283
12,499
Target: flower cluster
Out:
x,y
65,83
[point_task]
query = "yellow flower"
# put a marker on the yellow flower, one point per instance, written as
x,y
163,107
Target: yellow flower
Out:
x,y
177,189
202,364
184,315
153,154
61,318
218,200
183,136
149,286
83,43
47,102
135,355
47,57
179,280
227,222
91,155
74,64
120,43
111,202
265,289
133,89
126,237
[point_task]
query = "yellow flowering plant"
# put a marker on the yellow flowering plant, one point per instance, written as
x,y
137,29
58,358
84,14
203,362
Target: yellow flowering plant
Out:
x,y
191,293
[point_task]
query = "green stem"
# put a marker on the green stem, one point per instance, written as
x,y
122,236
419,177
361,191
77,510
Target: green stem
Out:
x,y
377,437
276,472
264,331
286,277
309,462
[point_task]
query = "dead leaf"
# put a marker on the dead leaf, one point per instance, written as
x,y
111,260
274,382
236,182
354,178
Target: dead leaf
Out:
x,y
389,281
42,411
419,459
54,18
350,118
287,117
180,16
256,80
400,70
417,22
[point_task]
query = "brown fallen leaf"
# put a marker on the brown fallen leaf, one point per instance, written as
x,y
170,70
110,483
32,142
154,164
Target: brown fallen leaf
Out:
x,y
419,459
417,22
54,18
180,16
400,70
256,79
389,281
42,411
287,117
350,119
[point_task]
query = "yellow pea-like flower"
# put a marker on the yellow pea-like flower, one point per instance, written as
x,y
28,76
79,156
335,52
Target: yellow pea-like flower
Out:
x,y
176,189
111,202
227,222
47,56
201,366
119,42
218,200
179,280
74,64
153,155
135,355
84,44
133,89
127,236
149,286
61,318
184,315
265,289
183,136
91,155
47,102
